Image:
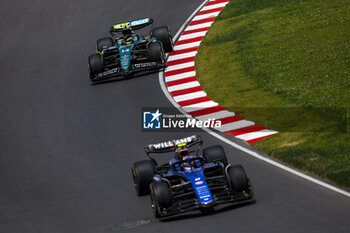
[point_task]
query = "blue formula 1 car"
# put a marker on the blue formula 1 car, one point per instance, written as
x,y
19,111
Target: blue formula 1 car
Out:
x,y
126,53
189,181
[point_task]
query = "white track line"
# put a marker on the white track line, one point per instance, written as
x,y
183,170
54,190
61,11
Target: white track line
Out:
x,y
180,66
209,15
216,115
199,106
197,26
183,86
182,55
214,6
190,96
192,35
187,45
233,144
180,76
235,125
256,134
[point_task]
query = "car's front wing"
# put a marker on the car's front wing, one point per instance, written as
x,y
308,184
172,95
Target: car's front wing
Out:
x,y
193,203
134,68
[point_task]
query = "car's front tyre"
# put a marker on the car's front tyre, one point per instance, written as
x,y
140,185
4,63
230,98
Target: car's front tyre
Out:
x,y
238,178
142,173
215,153
95,62
161,197
156,52
163,34
104,43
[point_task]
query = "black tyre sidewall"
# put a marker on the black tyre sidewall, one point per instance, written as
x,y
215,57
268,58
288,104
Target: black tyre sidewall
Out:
x,y
95,64
238,178
156,52
100,43
156,208
163,34
215,153
162,194
143,173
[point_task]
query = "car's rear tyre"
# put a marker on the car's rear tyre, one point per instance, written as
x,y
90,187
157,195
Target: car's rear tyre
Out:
x,y
163,34
238,178
161,196
104,43
215,153
156,52
95,62
142,173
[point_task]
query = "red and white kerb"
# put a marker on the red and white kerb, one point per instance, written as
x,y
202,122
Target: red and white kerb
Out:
x,y
182,84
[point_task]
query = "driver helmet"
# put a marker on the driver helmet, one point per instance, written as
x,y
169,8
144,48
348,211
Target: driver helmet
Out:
x,y
129,40
125,41
186,166
183,153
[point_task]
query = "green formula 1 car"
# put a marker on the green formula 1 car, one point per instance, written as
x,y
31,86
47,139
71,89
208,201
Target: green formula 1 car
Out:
x,y
126,53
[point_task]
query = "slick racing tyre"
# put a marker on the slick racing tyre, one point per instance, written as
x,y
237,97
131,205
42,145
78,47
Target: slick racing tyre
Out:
x,y
156,52
163,34
142,173
104,42
161,197
238,178
215,153
95,64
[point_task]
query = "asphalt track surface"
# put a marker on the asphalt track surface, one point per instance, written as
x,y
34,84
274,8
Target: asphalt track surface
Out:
x,y
67,146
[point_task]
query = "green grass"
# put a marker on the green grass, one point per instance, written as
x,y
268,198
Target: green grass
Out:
x,y
286,66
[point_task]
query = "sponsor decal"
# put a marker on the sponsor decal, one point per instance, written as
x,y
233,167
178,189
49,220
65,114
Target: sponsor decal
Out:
x,y
168,144
206,196
108,72
125,50
139,22
121,25
199,182
145,64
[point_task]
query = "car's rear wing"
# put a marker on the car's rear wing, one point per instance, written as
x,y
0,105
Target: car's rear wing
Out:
x,y
134,25
171,145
